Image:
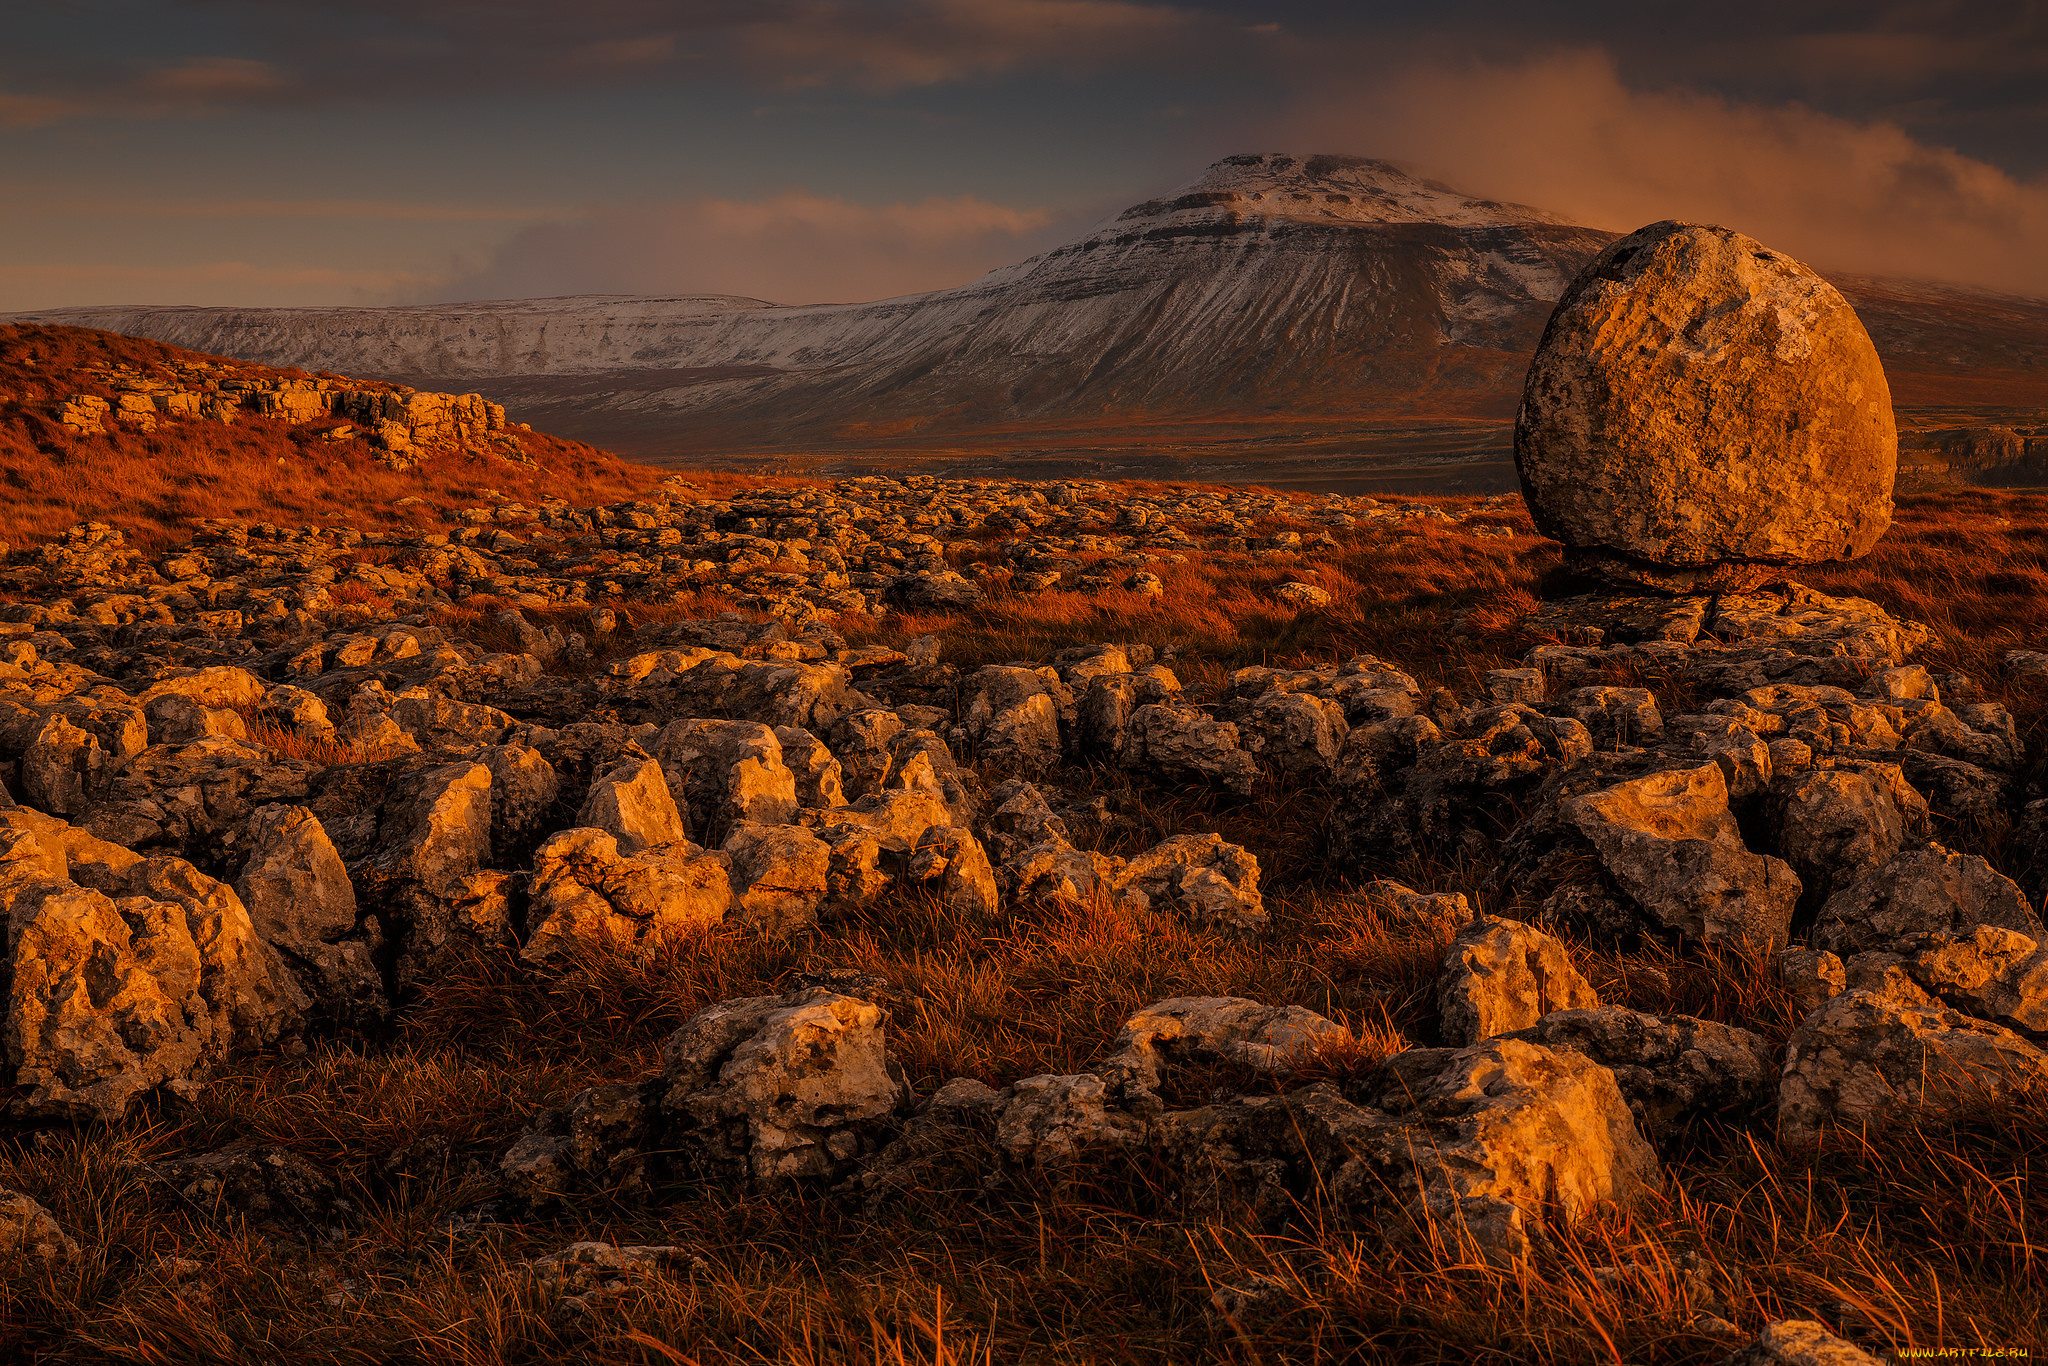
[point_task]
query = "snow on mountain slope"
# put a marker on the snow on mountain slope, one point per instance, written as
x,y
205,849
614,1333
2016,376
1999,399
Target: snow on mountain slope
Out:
x,y
1270,279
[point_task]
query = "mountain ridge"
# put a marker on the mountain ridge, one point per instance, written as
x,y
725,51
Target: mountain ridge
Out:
x,y
1316,293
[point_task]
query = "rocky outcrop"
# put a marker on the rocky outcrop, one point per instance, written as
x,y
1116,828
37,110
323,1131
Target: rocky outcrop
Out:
x,y
1704,412
124,972
1873,1059
1500,976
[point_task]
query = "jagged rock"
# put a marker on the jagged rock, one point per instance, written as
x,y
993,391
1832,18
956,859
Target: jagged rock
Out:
x,y
28,1233
63,768
587,894
263,1185
300,900
1202,1030
769,1090
1442,801
124,972
1927,890
1670,843
1670,1068
1991,973
1404,904
1500,976
1800,1342
442,723
862,741
953,863
1051,1121
1304,596
1293,733
1019,818
772,693
946,1150
1616,717
1635,451
297,712
1812,977
631,802
728,771
780,875
820,779
1180,742
175,719
426,873
1014,715
1480,1143
1103,714
1876,1059
601,1139
1836,824
189,797
222,687
587,1268
524,789
1203,877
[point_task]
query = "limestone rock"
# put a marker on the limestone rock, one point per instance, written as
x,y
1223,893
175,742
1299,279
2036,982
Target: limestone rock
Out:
x,y
1671,845
1204,877
1704,412
29,1233
1670,1068
1482,1141
1181,742
820,779
124,972
1052,1121
586,894
954,864
631,802
728,771
1501,975
1197,1030
770,1090
1880,1058
300,899
1836,824
263,1185
1800,1342
1928,890
780,875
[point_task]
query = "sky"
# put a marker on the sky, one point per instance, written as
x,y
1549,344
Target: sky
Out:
x,y
288,152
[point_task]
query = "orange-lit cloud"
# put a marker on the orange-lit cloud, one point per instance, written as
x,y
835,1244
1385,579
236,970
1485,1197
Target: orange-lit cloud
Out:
x,y
1566,133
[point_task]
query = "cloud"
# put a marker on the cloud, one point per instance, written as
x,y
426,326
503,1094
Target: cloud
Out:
x,y
1564,132
339,52
32,111
207,83
28,287
930,42
793,247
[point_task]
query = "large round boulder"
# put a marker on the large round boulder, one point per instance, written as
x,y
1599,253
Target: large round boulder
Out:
x,y
1704,413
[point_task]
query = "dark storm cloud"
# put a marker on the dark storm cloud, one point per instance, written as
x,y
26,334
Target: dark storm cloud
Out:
x,y
353,50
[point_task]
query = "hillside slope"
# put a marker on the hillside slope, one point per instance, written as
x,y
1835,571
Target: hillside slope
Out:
x,y
152,438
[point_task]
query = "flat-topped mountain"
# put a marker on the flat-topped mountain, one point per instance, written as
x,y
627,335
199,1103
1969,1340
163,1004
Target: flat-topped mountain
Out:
x,y
1309,307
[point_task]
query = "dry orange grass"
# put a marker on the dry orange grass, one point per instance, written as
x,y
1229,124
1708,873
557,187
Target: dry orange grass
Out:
x,y
1925,1241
